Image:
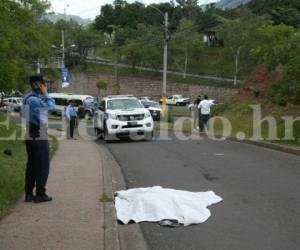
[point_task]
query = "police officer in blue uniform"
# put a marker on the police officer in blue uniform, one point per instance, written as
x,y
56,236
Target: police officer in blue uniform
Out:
x,y
71,116
36,105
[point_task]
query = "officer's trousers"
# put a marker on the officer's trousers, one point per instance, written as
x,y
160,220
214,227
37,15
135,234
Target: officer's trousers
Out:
x,y
37,169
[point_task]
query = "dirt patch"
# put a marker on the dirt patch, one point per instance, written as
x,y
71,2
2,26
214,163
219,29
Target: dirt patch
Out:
x,y
259,82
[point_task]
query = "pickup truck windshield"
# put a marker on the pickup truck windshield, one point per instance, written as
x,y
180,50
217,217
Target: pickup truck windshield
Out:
x,y
178,96
124,104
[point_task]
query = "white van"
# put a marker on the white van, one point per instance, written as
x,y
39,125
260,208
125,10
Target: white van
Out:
x,y
62,100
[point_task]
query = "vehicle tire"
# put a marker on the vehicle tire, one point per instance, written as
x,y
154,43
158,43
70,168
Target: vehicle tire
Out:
x,y
177,104
106,136
87,115
81,113
98,133
149,136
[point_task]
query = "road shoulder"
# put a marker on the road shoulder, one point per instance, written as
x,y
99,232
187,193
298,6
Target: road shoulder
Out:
x,y
129,237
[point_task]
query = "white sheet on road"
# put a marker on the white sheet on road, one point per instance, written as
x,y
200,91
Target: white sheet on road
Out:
x,y
154,204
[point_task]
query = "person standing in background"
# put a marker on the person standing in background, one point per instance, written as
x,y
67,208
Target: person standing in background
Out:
x,y
204,112
71,116
36,105
196,113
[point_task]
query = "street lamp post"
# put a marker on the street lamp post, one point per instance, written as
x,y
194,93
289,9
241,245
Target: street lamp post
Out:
x,y
63,39
62,51
164,87
63,48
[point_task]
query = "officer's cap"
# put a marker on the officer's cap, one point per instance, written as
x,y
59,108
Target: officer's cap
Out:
x,y
36,79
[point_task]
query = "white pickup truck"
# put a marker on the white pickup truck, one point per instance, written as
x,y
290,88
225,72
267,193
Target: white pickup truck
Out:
x,y
122,116
177,100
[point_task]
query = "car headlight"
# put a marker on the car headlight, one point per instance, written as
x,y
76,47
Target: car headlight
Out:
x,y
147,115
111,116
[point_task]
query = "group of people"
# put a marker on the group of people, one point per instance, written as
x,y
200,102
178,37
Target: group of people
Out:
x,y
201,112
37,103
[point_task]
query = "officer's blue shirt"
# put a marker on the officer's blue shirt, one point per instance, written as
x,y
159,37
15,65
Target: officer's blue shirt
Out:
x,y
70,112
36,107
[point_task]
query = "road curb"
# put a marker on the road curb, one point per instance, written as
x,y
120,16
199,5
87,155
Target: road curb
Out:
x,y
269,145
117,237
264,144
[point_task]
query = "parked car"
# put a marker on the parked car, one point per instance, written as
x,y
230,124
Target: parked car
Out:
x,y
154,108
177,100
13,103
122,116
146,98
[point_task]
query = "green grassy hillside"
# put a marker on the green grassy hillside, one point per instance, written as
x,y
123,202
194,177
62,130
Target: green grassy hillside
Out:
x,y
240,114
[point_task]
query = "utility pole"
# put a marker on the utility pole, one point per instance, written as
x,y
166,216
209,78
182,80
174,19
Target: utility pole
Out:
x,y
116,70
165,66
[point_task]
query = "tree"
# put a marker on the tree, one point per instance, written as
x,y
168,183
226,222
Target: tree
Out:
x,y
23,40
133,53
209,19
280,12
280,46
186,43
274,45
144,49
101,85
239,35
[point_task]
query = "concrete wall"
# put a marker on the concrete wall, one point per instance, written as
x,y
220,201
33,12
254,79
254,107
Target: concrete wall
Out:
x,y
85,83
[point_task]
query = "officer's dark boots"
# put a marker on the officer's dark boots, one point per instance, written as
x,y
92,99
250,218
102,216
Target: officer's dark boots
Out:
x,y
42,198
29,197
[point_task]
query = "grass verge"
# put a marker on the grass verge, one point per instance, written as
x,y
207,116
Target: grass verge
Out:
x,y
12,167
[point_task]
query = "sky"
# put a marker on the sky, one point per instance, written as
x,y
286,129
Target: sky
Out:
x,y
91,8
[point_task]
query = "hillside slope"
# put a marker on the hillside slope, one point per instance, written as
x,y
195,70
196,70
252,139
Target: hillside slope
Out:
x,y
55,17
231,3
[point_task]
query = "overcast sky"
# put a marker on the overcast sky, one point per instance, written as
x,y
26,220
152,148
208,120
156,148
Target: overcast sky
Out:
x,y
91,8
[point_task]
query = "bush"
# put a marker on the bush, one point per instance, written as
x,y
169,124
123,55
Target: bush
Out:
x,y
279,99
288,90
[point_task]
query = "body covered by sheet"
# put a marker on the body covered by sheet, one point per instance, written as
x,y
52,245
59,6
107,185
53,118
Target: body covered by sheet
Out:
x,y
154,204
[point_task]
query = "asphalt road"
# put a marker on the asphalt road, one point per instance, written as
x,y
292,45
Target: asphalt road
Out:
x,y
260,188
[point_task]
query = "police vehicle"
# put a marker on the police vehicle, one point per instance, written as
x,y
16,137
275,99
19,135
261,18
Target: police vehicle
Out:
x,y
122,116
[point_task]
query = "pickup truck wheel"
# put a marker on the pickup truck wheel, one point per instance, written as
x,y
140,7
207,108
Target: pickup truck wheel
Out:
x,y
98,133
106,136
177,104
87,115
149,136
